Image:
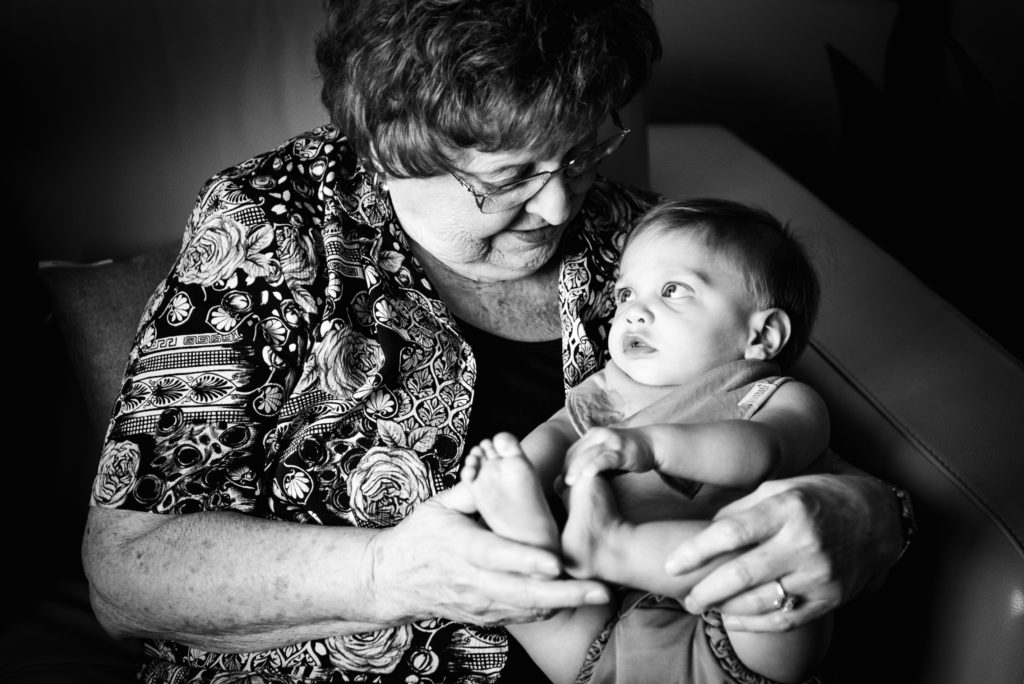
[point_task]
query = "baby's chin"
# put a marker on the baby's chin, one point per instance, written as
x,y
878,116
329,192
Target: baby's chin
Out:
x,y
645,373
657,380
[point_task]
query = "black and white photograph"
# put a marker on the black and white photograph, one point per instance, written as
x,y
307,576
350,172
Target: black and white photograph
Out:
x,y
462,341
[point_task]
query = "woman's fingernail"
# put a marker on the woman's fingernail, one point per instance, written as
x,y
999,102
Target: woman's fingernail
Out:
x,y
691,606
677,564
733,622
596,596
551,568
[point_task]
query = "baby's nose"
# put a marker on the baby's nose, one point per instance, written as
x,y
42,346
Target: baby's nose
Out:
x,y
637,313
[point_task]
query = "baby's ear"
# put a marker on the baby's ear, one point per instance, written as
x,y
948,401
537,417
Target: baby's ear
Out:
x,y
769,332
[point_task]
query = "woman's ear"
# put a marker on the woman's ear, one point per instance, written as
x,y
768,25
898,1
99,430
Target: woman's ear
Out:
x,y
769,332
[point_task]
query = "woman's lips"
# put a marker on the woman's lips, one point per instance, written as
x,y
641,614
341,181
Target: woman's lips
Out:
x,y
536,235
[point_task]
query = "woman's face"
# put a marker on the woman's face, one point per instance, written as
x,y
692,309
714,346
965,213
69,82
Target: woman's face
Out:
x,y
441,216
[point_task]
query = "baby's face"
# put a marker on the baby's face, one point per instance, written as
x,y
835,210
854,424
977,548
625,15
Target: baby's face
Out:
x,y
681,309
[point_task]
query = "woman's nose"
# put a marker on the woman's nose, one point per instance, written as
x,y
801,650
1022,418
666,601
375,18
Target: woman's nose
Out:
x,y
554,201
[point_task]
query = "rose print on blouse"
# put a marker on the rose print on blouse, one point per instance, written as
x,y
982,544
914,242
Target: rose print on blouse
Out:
x,y
345,360
388,483
118,465
222,246
370,651
297,252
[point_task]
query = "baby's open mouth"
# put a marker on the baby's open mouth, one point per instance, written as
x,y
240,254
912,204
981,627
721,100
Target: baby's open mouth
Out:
x,y
635,343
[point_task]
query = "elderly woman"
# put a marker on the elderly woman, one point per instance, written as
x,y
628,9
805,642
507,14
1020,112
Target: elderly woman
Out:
x,y
349,311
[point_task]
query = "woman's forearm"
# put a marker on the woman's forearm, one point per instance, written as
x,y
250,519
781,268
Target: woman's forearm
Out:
x,y
890,533
228,582
881,511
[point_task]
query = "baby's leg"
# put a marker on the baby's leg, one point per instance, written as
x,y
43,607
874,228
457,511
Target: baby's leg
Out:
x,y
784,656
559,644
598,542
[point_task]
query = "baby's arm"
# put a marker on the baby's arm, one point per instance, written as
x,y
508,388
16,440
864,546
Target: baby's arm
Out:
x,y
782,438
546,447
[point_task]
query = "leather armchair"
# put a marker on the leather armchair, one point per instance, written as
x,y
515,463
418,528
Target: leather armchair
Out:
x,y
919,397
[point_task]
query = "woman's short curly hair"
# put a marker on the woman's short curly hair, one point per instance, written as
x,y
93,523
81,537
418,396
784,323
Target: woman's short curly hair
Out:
x,y
773,263
410,81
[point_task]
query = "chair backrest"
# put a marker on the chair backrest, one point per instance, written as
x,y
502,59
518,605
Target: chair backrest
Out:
x,y
917,396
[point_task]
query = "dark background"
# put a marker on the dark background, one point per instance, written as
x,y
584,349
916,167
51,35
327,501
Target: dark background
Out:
x,y
905,117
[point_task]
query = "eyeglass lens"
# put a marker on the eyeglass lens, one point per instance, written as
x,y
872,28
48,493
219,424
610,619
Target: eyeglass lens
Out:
x,y
517,193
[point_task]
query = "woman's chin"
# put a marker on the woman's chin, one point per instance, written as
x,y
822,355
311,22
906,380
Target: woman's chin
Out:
x,y
521,254
506,266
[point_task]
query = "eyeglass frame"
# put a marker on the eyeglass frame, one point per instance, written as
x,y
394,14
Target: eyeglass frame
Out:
x,y
483,197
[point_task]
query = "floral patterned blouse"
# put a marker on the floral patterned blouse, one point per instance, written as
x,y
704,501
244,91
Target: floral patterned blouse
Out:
x,y
296,364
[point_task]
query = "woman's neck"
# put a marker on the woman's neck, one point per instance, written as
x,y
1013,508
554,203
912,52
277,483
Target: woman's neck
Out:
x,y
524,309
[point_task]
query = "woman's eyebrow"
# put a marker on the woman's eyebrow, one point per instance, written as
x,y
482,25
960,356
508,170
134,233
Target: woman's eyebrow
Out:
x,y
496,166
491,172
504,168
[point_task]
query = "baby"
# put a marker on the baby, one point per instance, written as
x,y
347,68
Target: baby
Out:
x,y
691,412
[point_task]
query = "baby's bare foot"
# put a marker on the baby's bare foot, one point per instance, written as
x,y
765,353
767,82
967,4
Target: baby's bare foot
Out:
x,y
593,517
471,465
508,493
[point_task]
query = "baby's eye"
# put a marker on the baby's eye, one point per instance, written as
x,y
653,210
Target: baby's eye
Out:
x,y
623,294
676,290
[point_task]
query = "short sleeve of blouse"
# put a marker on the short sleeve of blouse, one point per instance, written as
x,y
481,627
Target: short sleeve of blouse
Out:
x,y
220,344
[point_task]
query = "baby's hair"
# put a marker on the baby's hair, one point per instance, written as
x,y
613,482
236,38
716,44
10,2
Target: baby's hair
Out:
x,y
773,263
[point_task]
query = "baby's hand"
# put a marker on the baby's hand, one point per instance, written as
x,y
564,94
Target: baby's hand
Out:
x,y
604,448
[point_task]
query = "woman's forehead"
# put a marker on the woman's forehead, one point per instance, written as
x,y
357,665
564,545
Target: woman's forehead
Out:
x,y
482,162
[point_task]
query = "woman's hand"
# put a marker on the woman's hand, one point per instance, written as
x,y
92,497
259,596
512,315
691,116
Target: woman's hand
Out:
x,y
824,537
440,562
608,448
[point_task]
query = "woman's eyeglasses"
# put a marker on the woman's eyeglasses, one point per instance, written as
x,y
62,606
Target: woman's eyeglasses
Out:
x,y
516,193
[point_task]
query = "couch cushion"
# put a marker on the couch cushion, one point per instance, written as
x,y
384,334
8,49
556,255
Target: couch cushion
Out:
x,y
98,307
56,640
94,310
